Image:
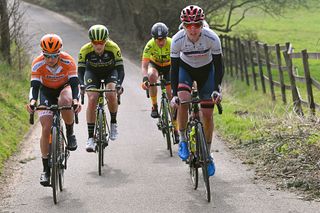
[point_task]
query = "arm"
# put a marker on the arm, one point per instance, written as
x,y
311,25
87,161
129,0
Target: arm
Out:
x,y
174,75
81,71
74,83
218,70
120,70
34,90
144,67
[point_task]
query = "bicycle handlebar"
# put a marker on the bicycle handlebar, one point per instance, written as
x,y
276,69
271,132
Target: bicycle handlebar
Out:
x,y
156,85
197,100
118,88
52,108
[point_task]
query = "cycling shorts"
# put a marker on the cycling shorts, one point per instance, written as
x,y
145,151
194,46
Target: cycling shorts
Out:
x,y
93,79
48,97
165,71
203,76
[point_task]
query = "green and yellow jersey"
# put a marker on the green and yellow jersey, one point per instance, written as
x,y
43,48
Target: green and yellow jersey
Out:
x,y
159,56
111,59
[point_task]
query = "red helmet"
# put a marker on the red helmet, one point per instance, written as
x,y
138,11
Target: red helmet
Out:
x,y
192,14
51,43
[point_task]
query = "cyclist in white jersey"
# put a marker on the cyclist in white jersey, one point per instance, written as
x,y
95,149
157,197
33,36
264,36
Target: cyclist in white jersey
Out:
x,y
196,55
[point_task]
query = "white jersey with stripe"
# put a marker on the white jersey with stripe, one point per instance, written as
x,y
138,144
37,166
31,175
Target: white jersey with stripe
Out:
x,y
199,53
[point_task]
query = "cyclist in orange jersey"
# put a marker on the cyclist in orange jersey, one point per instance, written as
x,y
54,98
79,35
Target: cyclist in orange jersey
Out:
x,y
54,79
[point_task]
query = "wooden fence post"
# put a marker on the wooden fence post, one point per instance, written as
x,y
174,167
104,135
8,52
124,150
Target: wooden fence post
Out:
x,y
260,67
254,75
244,60
236,56
240,58
308,81
224,47
231,61
294,90
282,84
266,52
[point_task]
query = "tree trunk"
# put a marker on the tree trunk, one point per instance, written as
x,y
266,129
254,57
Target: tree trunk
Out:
x,y
4,31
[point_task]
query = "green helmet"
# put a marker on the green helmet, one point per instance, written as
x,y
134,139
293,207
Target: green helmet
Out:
x,y
98,33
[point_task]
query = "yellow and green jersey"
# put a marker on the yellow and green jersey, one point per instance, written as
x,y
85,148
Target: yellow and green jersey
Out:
x,y
110,58
159,56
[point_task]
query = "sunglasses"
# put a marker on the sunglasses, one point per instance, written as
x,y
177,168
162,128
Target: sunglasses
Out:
x,y
98,42
161,39
195,25
53,56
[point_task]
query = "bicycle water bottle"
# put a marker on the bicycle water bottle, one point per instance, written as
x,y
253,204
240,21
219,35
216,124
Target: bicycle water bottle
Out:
x,y
193,139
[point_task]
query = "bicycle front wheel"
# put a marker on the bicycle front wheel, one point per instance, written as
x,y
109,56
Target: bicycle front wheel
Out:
x,y
62,159
166,124
203,154
101,138
54,164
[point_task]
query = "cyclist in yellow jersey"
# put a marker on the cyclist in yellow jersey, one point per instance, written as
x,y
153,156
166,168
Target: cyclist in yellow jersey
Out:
x,y
156,61
100,59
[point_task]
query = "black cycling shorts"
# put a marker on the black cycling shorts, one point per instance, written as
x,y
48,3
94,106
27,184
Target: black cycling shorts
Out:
x,y
165,71
93,79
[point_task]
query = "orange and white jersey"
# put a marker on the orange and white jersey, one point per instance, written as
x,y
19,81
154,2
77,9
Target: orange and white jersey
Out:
x,y
54,77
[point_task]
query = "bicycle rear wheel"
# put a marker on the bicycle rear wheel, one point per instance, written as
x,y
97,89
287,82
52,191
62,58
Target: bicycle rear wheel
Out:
x,y
203,154
54,164
166,124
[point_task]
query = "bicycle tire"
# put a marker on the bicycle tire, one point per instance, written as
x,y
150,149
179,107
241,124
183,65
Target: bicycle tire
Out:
x,y
203,154
194,173
166,124
54,165
100,141
62,159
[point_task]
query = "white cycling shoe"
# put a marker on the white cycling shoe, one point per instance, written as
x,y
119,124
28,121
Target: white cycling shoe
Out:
x,y
90,146
113,131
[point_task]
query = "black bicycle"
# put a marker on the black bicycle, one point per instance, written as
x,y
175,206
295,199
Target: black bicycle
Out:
x,y
102,130
58,154
165,124
199,154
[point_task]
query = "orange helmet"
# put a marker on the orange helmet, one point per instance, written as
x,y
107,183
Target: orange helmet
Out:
x,y
51,43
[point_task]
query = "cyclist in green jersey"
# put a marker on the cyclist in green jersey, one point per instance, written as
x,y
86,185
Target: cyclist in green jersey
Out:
x,y
156,61
100,59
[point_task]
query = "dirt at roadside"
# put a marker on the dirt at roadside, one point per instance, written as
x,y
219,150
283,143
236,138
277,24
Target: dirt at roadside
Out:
x,y
287,154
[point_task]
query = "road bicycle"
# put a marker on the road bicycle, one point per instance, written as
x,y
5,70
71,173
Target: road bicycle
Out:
x,y
199,154
102,130
58,154
165,124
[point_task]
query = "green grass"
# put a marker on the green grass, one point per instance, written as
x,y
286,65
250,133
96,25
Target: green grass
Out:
x,y
14,89
247,113
298,26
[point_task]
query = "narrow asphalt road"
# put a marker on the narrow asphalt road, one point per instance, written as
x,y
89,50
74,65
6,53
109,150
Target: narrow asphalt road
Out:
x,y
139,175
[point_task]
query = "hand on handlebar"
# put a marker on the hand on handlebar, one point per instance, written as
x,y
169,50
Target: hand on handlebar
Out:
x,y
119,89
216,97
76,106
175,101
145,83
31,105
